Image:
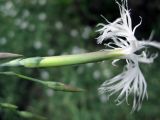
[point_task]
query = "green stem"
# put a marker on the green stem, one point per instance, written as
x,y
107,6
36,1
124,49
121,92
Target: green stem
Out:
x,y
21,76
58,86
64,60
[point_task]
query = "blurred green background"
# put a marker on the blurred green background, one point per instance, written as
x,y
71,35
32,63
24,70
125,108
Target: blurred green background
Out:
x,y
56,27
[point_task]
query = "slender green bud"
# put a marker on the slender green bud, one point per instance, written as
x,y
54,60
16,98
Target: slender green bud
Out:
x,y
54,61
58,86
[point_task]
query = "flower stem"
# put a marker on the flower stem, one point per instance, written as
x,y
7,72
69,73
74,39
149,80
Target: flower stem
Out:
x,y
54,61
57,86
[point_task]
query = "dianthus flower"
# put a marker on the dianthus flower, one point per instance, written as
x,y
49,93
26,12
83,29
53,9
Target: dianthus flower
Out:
x,y
121,35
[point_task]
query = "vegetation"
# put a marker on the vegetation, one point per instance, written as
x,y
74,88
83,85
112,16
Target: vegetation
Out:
x,y
59,27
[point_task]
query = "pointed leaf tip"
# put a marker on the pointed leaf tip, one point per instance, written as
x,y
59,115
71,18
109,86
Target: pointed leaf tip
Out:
x,y
14,62
4,55
73,89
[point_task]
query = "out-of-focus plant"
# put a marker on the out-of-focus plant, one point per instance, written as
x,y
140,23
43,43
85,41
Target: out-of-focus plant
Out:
x,y
23,114
57,86
124,45
55,27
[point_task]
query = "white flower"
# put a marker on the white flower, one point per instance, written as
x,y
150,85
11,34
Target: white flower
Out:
x,y
131,81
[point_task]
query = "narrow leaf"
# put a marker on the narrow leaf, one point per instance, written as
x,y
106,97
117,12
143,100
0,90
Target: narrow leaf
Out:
x,y
29,115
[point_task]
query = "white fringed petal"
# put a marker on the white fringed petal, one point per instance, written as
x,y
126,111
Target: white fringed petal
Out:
x,y
131,81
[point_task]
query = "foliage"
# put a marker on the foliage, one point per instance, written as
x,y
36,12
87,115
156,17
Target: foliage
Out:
x,y
55,27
